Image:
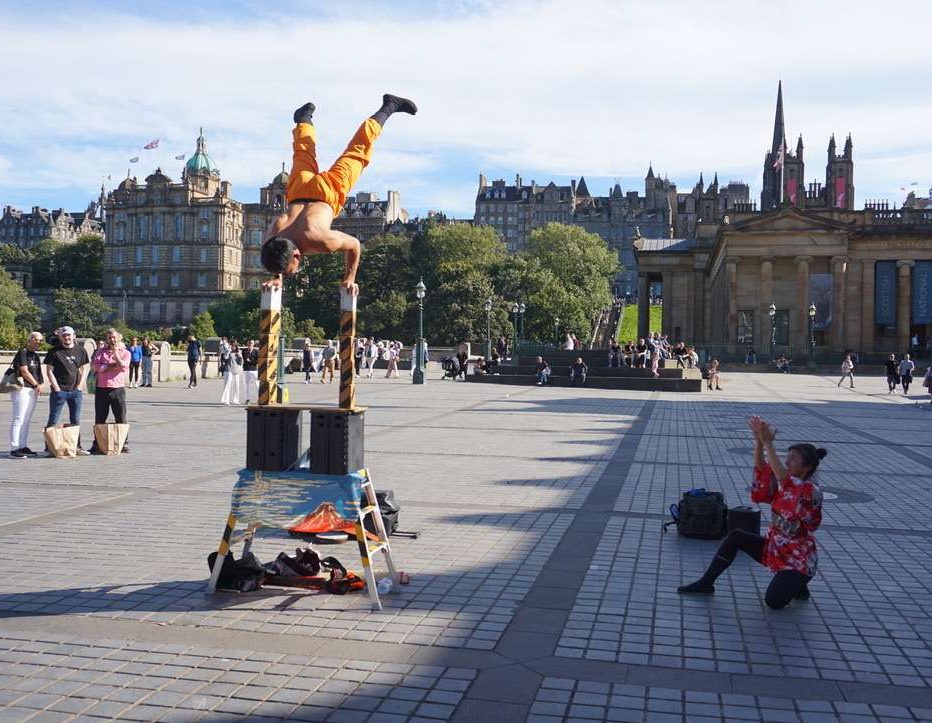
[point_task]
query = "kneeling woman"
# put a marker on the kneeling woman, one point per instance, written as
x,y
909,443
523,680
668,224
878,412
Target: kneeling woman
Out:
x,y
789,548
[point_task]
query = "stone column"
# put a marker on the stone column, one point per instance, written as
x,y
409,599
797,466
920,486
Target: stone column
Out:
x,y
666,317
731,288
868,327
801,336
903,307
643,305
837,330
764,331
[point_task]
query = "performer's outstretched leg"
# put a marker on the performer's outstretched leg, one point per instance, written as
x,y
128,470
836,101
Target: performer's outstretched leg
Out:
x,y
724,556
344,173
304,154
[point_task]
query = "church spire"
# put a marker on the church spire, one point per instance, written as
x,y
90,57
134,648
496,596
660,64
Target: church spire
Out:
x,y
779,128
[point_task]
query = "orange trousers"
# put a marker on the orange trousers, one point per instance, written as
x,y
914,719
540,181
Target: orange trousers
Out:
x,y
307,183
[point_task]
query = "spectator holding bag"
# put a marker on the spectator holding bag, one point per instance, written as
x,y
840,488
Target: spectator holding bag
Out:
x,y
111,363
66,368
28,368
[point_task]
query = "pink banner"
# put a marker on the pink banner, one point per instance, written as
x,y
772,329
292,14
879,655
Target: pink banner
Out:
x,y
791,190
841,196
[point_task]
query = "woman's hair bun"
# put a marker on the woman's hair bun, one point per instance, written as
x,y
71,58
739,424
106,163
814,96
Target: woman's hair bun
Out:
x,y
821,451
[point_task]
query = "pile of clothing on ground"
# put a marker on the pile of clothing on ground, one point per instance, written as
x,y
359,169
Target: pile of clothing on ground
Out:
x,y
305,569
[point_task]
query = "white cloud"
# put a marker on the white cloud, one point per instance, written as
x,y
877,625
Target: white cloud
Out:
x,y
598,88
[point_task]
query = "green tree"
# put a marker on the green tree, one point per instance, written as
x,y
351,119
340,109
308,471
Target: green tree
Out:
x,y
85,310
19,309
13,255
45,271
312,292
202,326
80,265
307,329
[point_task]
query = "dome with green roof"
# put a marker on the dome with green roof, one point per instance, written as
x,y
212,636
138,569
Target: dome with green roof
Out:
x,y
200,163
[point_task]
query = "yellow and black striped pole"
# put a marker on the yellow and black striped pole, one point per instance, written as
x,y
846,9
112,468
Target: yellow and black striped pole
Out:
x,y
347,348
222,551
270,325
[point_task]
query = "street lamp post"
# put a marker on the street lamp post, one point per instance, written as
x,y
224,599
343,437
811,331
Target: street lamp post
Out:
x,y
556,329
812,315
514,312
417,374
521,309
488,329
773,330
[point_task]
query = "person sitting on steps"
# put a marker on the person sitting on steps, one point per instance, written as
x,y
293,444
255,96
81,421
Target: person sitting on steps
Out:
x,y
315,197
789,549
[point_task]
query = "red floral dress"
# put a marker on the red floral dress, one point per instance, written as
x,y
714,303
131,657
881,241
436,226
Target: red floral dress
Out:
x,y
797,512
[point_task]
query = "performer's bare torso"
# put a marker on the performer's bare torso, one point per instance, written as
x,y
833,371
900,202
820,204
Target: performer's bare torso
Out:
x,y
305,224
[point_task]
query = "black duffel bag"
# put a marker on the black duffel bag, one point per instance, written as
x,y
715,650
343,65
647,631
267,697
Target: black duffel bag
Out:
x,y
701,514
389,509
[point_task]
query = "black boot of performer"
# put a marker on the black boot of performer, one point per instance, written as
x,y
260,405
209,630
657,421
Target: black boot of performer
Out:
x,y
305,114
724,556
393,104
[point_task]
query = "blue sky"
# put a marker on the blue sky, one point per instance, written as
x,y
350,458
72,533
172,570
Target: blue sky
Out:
x,y
544,88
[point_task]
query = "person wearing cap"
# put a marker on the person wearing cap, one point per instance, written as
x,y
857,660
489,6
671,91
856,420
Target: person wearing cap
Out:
x,y
66,368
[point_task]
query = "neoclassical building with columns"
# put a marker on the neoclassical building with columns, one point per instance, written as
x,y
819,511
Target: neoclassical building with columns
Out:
x,y
864,276
868,275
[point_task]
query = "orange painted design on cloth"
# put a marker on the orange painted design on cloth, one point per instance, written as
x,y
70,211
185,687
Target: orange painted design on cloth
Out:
x,y
332,186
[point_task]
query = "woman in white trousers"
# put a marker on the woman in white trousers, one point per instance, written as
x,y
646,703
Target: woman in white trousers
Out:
x,y
29,370
232,377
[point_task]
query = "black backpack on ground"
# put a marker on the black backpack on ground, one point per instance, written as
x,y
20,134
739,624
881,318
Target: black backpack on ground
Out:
x,y
389,509
701,514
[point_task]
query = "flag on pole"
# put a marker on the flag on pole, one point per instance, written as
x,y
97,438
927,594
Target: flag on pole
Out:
x,y
179,157
151,145
134,159
778,162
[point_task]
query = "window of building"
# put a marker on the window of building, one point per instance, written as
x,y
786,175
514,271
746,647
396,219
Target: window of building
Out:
x,y
202,255
176,280
255,220
120,232
118,257
205,214
155,254
157,227
179,226
153,280
118,281
205,230
746,326
139,254
255,237
201,280
176,254
142,228
137,280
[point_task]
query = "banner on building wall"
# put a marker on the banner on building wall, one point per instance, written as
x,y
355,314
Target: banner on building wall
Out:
x,y
841,196
922,292
792,190
885,293
821,294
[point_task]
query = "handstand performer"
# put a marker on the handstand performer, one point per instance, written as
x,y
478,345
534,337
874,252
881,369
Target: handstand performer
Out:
x,y
315,197
789,548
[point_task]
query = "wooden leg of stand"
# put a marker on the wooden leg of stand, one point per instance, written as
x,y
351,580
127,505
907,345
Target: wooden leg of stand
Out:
x,y
221,554
367,564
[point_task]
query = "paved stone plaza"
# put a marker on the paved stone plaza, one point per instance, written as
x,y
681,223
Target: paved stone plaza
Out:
x,y
542,586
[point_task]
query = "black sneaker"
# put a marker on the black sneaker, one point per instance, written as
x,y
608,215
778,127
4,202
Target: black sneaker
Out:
x,y
18,454
29,452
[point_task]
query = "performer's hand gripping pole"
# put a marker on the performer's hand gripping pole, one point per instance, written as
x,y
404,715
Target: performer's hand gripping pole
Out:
x,y
347,349
270,325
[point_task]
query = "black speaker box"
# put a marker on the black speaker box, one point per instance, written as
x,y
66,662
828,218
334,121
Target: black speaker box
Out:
x,y
744,518
273,438
337,442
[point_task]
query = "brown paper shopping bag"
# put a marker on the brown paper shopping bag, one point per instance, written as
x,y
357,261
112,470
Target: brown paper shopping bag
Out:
x,y
111,437
63,441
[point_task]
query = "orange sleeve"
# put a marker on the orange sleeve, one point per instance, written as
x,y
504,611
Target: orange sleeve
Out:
x,y
765,484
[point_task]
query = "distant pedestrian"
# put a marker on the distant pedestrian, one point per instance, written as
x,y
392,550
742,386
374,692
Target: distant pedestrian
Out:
x,y
927,381
66,367
328,361
232,375
251,370
892,367
847,370
393,353
371,354
655,362
907,366
194,358
111,363
715,374
568,342
28,368
358,355
502,347
135,361
307,361
148,351
541,371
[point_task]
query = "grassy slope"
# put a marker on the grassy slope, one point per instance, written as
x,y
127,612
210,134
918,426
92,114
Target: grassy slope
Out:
x,y
629,322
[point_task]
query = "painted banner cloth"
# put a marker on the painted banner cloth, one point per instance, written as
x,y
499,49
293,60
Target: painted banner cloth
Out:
x,y
287,500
